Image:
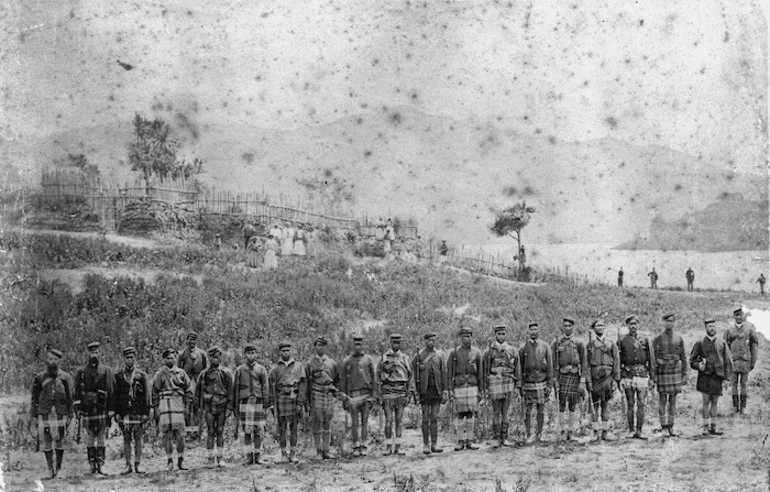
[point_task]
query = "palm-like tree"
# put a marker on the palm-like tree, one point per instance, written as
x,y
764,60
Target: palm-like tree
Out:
x,y
153,151
510,221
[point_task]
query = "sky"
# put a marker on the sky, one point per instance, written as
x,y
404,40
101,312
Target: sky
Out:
x,y
687,75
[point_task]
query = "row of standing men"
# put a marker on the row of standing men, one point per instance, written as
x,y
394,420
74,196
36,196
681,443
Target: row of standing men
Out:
x,y
462,377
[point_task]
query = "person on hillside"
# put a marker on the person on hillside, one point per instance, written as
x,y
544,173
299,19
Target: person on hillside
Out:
x,y
389,235
744,344
300,240
465,372
270,260
311,238
288,395
217,242
604,361
132,408
323,376
214,392
193,361
636,365
277,233
172,389
712,359
248,232
502,378
653,278
52,409
443,251
287,240
379,230
94,402
690,276
431,384
251,395
254,250
571,368
537,376
396,387
359,385
670,371
761,281
620,277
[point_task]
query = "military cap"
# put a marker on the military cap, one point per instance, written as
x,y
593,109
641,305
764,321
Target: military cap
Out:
x,y
499,328
321,341
631,318
284,344
55,352
94,345
465,331
669,317
249,347
568,320
738,310
128,351
531,324
597,322
213,351
429,335
708,321
396,337
358,338
192,336
169,351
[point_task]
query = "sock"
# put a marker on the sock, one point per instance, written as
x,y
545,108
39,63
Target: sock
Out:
x,y
570,421
561,421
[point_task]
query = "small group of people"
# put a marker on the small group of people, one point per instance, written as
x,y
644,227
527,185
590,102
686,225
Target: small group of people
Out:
x,y
280,242
385,232
462,377
689,276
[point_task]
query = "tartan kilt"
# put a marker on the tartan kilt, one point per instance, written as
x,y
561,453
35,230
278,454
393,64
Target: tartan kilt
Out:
x,y
394,395
501,387
536,392
709,384
55,423
635,383
322,403
286,405
466,398
171,410
669,379
131,423
569,387
95,421
216,405
358,398
251,413
601,389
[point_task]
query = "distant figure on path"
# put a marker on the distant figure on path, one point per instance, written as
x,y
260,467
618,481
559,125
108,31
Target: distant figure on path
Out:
x,y
653,278
761,281
620,277
442,253
690,275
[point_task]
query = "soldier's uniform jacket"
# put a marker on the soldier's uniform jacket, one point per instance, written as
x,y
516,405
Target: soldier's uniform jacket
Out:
x,y
716,354
52,392
395,368
536,361
94,389
215,388
424,364
635,357
193,362
132,392
603,359
250,380
322,374
288,379
502,359
743,343
465,367
358,373
668,353
569,356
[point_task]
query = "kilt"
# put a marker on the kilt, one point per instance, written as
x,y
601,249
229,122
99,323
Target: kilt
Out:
x,y
636,382
536,392
132,423
601,389
322,403
669,379
171,411
394,395
710,384
215,406
358,398
466,398
286,405
501,387
94,421
251,414
431,396
569,387
55,424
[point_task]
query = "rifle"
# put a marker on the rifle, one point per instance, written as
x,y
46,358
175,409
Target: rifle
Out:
x,y
80,426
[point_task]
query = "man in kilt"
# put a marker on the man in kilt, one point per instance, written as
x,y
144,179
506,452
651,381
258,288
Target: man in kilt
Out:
x,y
132,408
251,394
569,358
712,359
536,361
394,376
288,392
670,372
214,392
171,390
502,374
636,365
94,393
51,408
323,378
192,360
431,385
358,384
604,363
465,371
743,342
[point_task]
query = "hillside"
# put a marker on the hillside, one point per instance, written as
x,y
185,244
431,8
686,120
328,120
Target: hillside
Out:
x,y
449,173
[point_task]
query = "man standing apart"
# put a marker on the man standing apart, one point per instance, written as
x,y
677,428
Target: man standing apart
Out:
x,y
670,371
193,361
394,376
653,278
620,277
465,369
323,378
604,362
503,376
636,365
712,359
690,276
250,396
359,387
132,407
171,390
431,382
288,386
536,376
761,281
52,407
94,393
569,356
742,339
213,393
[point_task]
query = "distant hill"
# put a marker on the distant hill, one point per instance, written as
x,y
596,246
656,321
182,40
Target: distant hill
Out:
x,y
450,174
730,224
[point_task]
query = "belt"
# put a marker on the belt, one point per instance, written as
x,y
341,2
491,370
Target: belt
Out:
x,y
395,383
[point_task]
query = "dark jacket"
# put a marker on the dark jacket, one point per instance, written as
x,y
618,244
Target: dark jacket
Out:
x,y
132,397
465,367
52,392
94,389
424,362
717,356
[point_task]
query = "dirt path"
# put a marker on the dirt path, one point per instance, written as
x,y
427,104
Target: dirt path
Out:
x,y
136,242
74,277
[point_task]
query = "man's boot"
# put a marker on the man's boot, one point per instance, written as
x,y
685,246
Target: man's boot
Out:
x,y
540,422
292,458
496,434
128,469
671,431
397,450
249,459
180,464
170,464
136,468
362,451
91,451
504,434
257,458
713,430
744,399
49,462
706,429
59,459
326,441
100,455
317,441
388,449
434,438
737,403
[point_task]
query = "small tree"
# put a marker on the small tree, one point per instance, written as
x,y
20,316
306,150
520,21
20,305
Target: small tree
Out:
x,y
510,221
